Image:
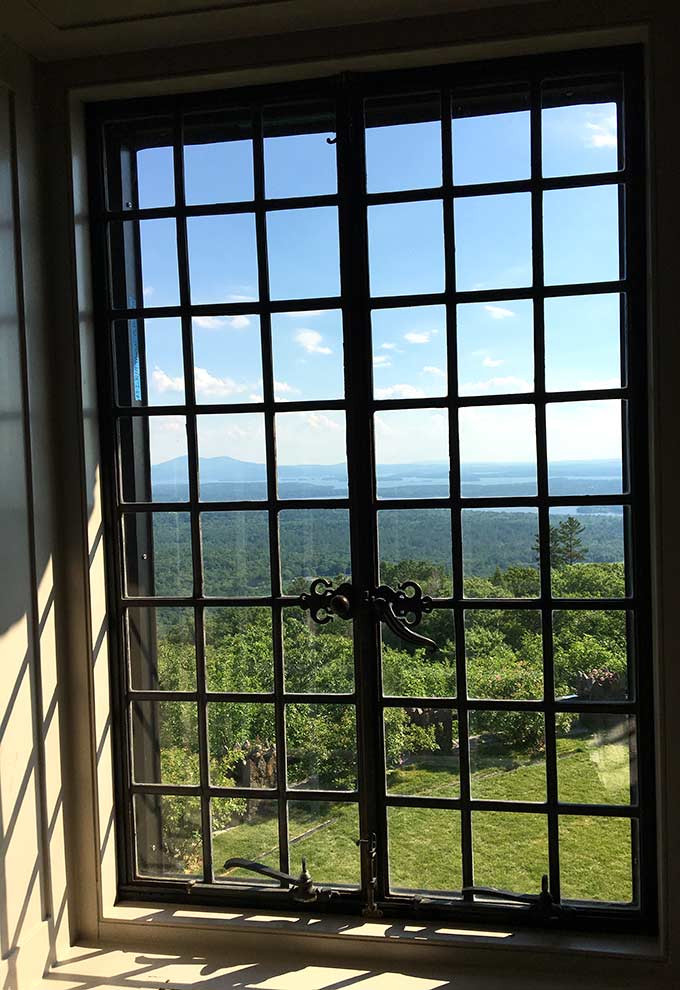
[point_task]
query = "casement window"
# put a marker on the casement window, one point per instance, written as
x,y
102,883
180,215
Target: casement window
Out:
x,y
372,378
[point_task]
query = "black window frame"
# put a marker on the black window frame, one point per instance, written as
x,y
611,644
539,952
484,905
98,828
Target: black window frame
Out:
x,y
348,92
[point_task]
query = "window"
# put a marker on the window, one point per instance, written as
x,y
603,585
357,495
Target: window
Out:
x,y
372,362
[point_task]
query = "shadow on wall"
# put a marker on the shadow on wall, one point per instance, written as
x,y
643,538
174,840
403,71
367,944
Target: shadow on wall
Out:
x,y
30,812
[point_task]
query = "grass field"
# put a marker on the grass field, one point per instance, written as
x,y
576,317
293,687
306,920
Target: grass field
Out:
x,y
510,849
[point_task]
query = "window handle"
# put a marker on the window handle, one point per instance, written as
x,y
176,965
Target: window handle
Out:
x,y
302,888
401,611
324,601
542,904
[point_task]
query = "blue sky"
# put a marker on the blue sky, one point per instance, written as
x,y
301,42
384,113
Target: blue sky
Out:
x,y
406,255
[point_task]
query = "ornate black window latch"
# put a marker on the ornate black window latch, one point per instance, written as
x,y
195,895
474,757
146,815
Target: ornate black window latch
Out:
x,y
542,905
302,888
401,610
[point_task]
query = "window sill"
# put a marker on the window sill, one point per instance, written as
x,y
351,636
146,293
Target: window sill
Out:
x,y
130,919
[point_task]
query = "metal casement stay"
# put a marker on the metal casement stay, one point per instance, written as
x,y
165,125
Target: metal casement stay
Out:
x,y
365,599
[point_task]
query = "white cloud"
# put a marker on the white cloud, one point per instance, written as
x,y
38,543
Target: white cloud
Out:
x,y
318,421
217,322
211,387
164,383
381,361
600,383
498,312
602,134
419,336
399,392
388,346
430,369
311,340
283,388
507,384
235,297
148,291
296,314
490,362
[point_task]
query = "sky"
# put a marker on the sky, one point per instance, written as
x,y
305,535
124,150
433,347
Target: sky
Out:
x,y
406,255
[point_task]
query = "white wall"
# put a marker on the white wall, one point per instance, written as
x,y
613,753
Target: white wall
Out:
x,y
32,887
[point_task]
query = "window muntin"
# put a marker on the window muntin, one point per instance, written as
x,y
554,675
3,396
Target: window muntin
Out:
x,y
535,201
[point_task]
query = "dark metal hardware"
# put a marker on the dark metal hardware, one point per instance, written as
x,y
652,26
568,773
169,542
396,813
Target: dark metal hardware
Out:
x,y
302,888
542,904
401,611
370,849
324,601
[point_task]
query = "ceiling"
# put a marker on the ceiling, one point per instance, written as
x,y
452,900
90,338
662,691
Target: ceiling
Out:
x,y
62,29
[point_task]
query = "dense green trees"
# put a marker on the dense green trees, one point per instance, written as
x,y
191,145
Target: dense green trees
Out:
x,y
503,654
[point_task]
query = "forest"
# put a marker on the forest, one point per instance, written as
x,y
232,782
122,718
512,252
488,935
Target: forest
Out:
x,y
503,650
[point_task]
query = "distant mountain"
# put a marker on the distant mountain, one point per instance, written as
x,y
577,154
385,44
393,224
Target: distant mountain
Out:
x,y
212,469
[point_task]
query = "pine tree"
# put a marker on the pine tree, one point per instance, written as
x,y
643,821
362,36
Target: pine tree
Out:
x,y
566,546
571,545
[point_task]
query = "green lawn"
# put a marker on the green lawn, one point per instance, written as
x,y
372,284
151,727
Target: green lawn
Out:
x,y
510,850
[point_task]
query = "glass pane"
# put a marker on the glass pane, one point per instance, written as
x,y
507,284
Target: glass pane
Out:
x,y
583,342
581,234
325,834
504,661
242,745
236,553
409,670
500,553
222,258
507,756
415,545
590,651
317,657
403,142
308,355
311,450
153,453
424,849
421,752
596,859
232,456
584,447
579,127
148,276
247,828
493,241
168,835
165,742
158,553
304,253
406,248
587,551
597,758
494,147
412,453
161,649
139,164
495,347
238,649
298,159
314,543
497,450
322,747
160,281
227,359
149,367
409,352
510,851
218,157
155,177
